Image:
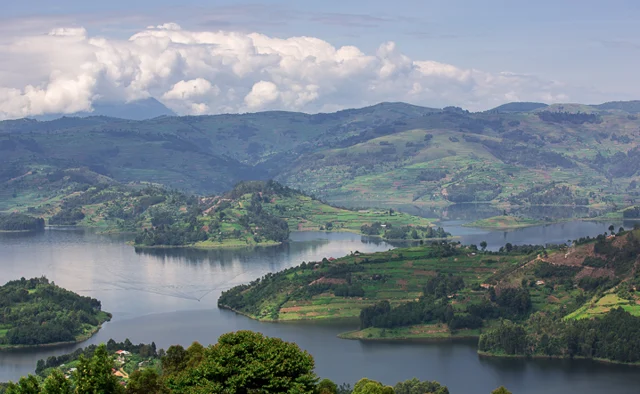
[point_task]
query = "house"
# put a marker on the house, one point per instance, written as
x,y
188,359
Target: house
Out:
x,y
123,353
485,285
539,283
331,259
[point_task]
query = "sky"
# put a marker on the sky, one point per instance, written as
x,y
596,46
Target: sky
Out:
x,y
206,57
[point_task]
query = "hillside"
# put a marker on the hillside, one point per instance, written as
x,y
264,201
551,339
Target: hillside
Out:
x,y
36,312
446,289
263,213
391,152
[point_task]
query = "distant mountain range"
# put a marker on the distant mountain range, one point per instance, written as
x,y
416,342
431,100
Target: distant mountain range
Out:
x,y
515,154
136,110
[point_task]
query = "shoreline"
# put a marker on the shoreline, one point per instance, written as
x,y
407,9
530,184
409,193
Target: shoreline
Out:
x,y
79,339
542,356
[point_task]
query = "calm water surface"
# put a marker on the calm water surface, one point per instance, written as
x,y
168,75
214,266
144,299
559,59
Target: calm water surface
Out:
x,y
169,296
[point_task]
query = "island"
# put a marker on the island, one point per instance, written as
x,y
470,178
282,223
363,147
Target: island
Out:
x,y
18,222
36,312
504,222
259,213
523,300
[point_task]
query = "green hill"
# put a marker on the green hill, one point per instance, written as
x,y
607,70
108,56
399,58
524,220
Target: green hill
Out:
x,y
632,107
449,290
518,107
391,153
263,213
37,312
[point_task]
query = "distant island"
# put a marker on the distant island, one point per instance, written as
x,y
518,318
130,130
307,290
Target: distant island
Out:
x,y
504,222
522,300
261,213
17,222
36,312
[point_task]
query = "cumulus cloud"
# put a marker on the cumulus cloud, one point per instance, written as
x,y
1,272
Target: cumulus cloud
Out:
x,y
206,72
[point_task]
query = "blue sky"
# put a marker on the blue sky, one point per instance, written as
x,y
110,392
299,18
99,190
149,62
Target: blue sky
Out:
x,y
593,46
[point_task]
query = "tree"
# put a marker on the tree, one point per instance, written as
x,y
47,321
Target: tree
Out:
x,y
94,375
415,386
326,386
367,386
612,229
501,390
246,361
483,245
146,381
508,247
26,385
195,355
175,360
56,383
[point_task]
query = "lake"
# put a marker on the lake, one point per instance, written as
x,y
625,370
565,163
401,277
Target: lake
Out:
x,y
169,296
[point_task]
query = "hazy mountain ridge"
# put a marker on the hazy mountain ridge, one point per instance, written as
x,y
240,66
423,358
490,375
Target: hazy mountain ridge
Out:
x,y
386,152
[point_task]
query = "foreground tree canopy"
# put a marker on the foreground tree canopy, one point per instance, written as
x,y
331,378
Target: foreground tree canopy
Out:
x,y
240,363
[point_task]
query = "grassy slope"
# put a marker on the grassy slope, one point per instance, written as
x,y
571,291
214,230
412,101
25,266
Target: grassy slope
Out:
x,y
345,175
305,213
406,271
302,213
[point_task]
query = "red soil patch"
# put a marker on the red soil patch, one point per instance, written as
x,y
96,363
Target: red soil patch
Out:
x,y
403,283
573,256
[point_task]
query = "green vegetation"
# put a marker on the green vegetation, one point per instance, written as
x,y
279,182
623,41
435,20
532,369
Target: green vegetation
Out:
x,y
240,362
263,213
504,222
128,358
253,213
448,290
36,312
392,152
20,222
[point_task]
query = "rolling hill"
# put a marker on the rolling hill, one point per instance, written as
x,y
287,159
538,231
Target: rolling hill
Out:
x,y
387,153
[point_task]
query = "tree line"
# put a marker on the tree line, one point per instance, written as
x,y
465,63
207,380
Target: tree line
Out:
x,y
20,222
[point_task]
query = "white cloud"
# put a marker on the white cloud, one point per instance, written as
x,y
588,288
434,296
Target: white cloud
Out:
x,y
262,94
200,72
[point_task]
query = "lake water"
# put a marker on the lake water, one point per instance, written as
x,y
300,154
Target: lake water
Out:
x,y
169,296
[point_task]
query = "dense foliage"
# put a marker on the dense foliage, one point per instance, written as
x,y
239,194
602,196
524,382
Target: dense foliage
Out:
x,y
575,118
36,312
615,336
20,222
241,362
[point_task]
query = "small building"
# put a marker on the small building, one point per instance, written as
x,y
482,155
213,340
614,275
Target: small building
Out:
x,y
331,259
485,286
123,353
539,283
